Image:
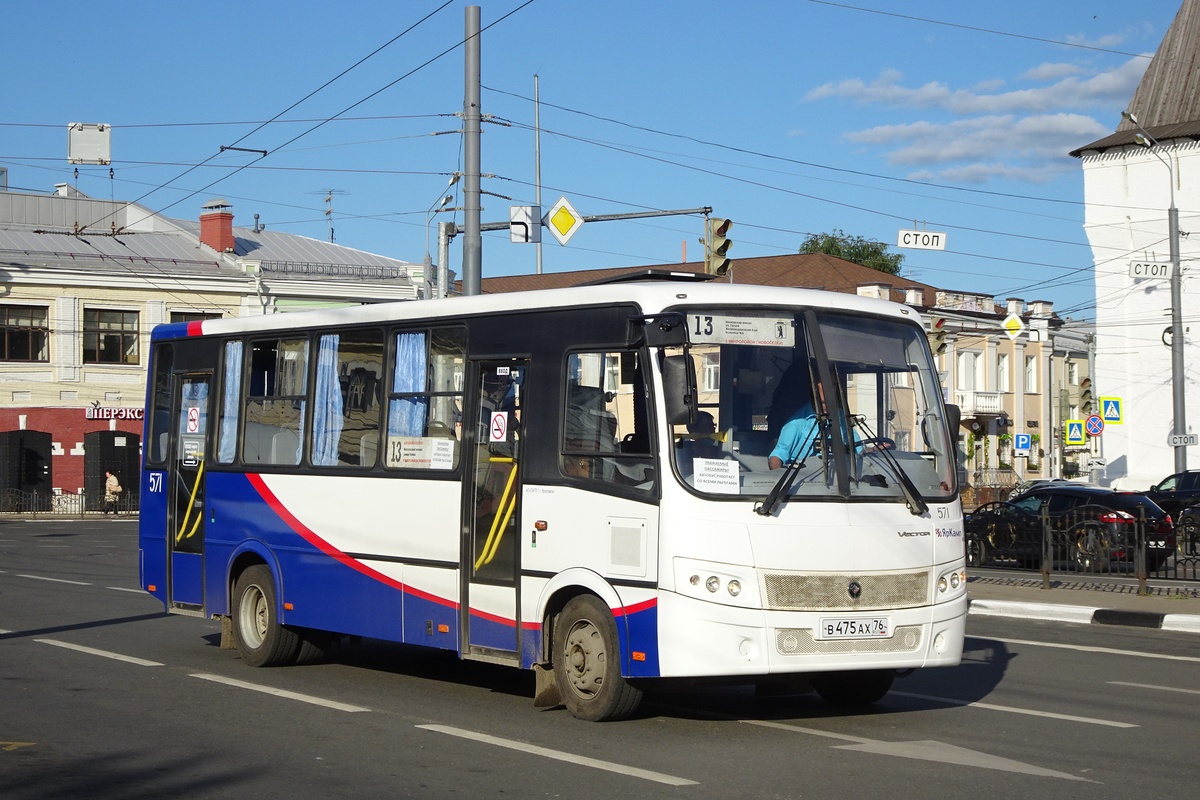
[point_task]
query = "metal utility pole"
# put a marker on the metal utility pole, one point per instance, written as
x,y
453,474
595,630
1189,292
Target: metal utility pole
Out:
x,y
472,239
537,162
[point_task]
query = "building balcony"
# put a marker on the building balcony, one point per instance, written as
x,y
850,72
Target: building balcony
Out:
x,y
978,404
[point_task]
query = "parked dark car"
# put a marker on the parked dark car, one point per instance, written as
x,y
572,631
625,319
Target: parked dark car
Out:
x,y
1176,492
1089,526
1187,528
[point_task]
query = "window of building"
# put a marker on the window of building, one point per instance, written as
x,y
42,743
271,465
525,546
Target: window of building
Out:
x,y
1073,373
712,372
194,316
970,371
110,337
1031,381
24,333
1003,373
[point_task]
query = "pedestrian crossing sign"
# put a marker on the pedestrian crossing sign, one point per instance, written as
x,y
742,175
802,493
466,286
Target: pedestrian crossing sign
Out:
x,y
1111,410
1074,429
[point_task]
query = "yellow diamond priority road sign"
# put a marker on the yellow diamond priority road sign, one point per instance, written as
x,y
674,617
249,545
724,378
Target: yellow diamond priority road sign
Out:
x,y
563,220
1013,326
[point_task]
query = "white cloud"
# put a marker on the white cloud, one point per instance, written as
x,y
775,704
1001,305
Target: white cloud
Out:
x,y
975,135
1050,72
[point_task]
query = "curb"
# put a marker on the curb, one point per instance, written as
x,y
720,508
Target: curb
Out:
x,y
1178,623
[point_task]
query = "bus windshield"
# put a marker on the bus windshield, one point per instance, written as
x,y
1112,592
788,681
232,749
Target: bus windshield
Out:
x,y
846,406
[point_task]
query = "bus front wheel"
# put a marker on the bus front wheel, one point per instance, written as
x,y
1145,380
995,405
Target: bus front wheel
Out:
x,y
848,689
261,640
587,664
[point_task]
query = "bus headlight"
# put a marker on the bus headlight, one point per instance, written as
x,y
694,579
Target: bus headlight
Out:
x,y
949,583
717,583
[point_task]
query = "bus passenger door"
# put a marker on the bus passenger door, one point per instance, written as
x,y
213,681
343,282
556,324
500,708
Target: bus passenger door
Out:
x,y
493,502
185,498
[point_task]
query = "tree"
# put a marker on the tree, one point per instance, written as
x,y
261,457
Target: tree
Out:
x,y
854,248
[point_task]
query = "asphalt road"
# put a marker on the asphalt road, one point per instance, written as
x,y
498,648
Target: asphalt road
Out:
x,y
103,695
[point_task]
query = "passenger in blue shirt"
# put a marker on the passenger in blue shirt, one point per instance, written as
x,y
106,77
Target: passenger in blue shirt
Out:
x,y
800,431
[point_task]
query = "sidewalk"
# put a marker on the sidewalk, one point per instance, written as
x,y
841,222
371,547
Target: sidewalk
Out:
x,y
1168,605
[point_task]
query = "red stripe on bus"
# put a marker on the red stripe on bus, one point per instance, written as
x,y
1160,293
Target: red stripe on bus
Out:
x,y
195,327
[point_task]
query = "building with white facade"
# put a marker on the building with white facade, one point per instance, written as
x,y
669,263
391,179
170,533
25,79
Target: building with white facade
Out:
x,y
82,283
1130,179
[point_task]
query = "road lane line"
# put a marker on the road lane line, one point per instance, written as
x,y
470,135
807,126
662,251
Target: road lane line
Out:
x,y
559,755
1086,649
52,580
303,698
1155,688
1015,710
124,589
141,662
925,750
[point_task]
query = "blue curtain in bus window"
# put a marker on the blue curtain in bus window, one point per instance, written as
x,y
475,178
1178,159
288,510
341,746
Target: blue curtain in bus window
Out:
x,y
230,403
406,415
327,404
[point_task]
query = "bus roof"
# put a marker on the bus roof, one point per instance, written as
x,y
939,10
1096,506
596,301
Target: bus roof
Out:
x,y
651,297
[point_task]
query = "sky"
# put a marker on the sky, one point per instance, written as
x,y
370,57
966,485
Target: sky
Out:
x,y
789,118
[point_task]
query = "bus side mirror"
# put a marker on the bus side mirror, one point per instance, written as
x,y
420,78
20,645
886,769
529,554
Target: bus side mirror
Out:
x,y
953,419
679,389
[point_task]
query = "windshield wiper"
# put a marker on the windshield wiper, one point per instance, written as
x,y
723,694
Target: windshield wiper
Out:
x,y
912,496
783,486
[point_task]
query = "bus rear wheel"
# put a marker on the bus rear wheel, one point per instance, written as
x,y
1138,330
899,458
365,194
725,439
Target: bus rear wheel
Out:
x,y
261,640
848,689
587,664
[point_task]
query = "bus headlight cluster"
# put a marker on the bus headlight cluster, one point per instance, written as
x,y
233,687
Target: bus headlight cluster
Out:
x,y
717,584
713,584
952,581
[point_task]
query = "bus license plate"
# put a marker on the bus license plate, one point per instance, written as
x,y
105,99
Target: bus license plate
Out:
x,y
854,628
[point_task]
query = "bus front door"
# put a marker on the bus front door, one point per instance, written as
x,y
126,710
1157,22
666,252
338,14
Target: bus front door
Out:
x,y
489,608
185,499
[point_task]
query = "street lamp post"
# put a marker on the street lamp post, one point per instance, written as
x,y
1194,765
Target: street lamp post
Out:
x,y
1178,385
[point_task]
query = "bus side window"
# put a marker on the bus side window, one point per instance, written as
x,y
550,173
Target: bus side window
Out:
x,y
275,402
605,428
347,391
160,413
425,394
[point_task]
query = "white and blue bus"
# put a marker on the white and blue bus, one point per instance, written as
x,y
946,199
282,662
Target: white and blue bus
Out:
x,y
577,481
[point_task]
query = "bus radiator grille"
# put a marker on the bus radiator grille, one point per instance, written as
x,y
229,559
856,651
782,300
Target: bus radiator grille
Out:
x,y
800,642
797,591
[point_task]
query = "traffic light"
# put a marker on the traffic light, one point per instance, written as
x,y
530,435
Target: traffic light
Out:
x,y
1086,403
937,335
717,242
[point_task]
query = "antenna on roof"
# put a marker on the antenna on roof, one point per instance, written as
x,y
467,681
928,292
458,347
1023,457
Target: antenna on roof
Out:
x,y
329,193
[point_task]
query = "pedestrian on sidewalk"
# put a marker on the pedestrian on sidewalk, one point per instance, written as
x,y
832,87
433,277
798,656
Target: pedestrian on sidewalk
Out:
x,y
112,492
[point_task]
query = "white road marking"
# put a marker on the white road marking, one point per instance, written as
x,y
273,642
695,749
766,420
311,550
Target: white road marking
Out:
x,y
1155,688
1015,710
303,698
926,750
1085,649
558,755
141,662
124,589
53,580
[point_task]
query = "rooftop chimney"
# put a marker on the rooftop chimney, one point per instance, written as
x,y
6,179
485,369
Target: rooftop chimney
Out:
x,y
914,296
216,225
1016,305
1041,308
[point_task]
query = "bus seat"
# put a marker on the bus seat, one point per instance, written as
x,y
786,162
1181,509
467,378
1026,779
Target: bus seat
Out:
x,y
368,448
283,447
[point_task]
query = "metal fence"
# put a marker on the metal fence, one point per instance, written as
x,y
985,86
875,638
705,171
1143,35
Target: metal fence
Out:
x,y
1089,539
15,501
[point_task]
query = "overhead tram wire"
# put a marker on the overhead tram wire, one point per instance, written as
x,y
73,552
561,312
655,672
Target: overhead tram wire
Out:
x,y
243,138
357,103
976,29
